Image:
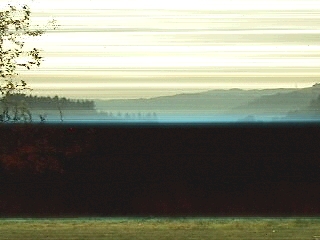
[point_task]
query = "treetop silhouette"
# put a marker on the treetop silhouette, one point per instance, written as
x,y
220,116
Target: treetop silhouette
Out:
x,y
15,26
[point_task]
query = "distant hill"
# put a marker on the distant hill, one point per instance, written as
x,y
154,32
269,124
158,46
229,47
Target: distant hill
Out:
x,y
236,104
311,111
210,102
281,102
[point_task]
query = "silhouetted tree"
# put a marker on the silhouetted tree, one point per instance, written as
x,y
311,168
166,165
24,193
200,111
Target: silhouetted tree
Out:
x,y
14,27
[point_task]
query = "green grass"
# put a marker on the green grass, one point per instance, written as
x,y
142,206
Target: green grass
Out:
x,y
160,228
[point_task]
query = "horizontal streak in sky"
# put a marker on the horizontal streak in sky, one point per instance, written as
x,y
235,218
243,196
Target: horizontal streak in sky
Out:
x,y
162,61
128,85
166,45
195,49
169,4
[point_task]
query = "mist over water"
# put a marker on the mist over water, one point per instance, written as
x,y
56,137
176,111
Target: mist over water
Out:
x,y
176,119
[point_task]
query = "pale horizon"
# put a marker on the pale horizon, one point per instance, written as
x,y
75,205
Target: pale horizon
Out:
x,y
142,49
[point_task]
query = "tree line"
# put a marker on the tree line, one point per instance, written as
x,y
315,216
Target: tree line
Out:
x,y
51,103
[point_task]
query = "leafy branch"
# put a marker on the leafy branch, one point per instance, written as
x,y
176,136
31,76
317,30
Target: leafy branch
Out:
x,y
14,28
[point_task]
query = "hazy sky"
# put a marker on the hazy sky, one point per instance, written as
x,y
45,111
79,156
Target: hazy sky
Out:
x,y
133,49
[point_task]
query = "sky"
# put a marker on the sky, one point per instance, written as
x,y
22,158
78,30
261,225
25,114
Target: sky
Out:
x,y
140,49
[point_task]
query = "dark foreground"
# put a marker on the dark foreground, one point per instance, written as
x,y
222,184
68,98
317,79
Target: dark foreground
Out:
x,y
161,228
161,170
